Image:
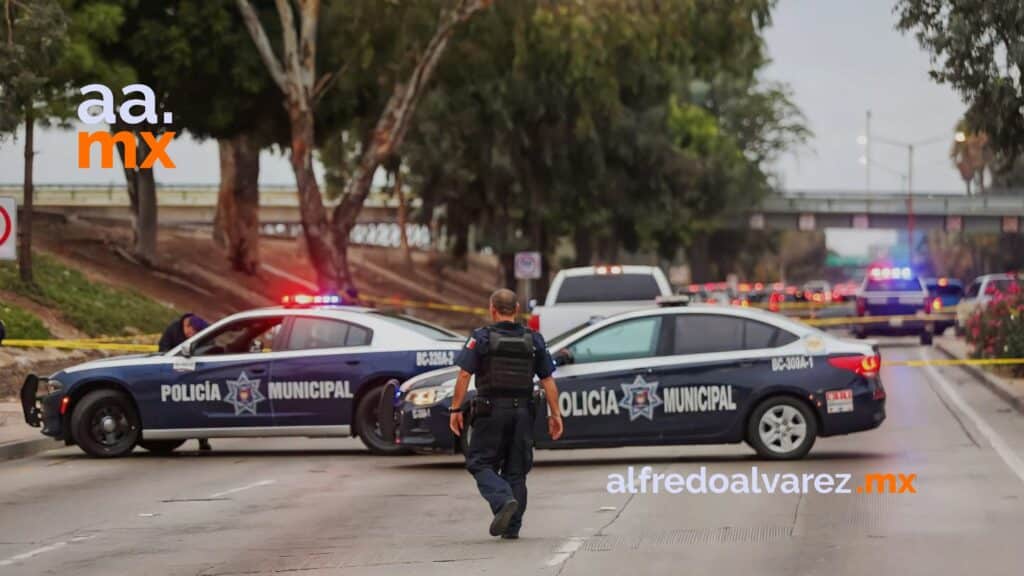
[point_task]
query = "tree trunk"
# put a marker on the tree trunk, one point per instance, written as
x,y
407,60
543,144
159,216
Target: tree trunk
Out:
x,y
146,219
238,203
225,192
697,256
330,263
25,226
403,218
584,245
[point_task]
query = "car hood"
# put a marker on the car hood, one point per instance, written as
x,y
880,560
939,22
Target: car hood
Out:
x,y
111,362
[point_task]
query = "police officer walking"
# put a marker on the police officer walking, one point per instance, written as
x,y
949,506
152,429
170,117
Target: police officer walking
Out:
x,y
504,356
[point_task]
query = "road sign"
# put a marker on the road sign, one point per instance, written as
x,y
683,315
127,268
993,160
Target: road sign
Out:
x,y
8,228
528,265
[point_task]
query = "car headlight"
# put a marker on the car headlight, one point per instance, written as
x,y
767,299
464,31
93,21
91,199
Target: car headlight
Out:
x,y
428,396
53,386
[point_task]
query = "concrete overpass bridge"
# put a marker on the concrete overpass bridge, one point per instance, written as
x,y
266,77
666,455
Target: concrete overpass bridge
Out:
x,y
808,210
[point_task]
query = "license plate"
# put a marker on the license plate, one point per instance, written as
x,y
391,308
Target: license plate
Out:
x,y
895,322
839,401
420,413
879,301
911,301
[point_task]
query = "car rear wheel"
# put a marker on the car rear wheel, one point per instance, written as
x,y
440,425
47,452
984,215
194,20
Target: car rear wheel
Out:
x,y
782,428
104,424
368,423
926,338
161,446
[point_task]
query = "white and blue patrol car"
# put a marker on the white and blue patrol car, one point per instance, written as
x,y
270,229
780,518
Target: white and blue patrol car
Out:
x,y
698,374
289,371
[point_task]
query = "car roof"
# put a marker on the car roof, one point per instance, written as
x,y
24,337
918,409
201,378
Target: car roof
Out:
x,y
591,270
777,320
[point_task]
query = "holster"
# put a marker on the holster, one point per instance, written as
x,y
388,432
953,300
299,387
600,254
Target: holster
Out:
x,y
479,407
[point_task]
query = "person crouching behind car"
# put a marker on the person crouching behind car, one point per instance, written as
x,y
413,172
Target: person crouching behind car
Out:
x,y
177,332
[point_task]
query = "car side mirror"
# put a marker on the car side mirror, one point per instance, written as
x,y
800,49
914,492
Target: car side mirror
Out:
x,y
188,349
563,357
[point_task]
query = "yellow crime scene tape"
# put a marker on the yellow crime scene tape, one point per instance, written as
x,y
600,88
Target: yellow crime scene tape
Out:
x,y
80,345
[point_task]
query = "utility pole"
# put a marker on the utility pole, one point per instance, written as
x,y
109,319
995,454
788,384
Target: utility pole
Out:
x,y
909,201
867,151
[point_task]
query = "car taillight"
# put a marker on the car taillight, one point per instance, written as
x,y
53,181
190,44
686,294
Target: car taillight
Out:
x,y
936,305
774,301
534,322
860,365
64,405
861,307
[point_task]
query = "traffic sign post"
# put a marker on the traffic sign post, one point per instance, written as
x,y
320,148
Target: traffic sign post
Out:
x,y
8,228
527,268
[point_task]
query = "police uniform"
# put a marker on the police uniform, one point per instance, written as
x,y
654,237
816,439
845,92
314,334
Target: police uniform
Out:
x,y
504,357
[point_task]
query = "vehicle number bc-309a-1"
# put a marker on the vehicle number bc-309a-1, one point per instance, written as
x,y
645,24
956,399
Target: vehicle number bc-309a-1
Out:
x,y
792,363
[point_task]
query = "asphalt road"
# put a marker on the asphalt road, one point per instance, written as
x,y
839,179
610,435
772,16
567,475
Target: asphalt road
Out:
x,y
313,507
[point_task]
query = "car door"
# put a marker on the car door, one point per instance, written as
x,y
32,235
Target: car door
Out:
x,y
222,383
719,363
606,394
316,375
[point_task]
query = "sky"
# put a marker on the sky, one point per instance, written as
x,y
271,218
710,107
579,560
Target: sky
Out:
x,y
840,58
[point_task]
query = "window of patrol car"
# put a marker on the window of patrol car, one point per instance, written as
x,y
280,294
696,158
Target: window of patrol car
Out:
x,y
309,333
240,337
635,338
708,333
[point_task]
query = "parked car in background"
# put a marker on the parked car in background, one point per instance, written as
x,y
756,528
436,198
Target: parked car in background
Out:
x,y
982,291
945,295
581,294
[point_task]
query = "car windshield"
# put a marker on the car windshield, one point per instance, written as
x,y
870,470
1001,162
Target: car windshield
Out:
x,y
552,342
419,326
608,288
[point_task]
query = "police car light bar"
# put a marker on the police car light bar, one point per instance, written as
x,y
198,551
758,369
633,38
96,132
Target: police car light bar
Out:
x,y
301,300
891,273
602,270
676,300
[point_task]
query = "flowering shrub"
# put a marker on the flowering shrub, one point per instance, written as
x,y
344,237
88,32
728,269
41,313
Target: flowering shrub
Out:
x,y
997,330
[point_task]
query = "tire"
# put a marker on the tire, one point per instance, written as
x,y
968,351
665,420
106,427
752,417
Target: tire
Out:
x,y
369,429
161,446
789,410
104,424
926,338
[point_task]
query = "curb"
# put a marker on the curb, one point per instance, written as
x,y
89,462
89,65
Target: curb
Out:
x,y
26,448
994,383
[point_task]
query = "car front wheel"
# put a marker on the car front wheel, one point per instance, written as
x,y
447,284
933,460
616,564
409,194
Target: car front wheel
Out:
x,y
104,424
368,421
782,428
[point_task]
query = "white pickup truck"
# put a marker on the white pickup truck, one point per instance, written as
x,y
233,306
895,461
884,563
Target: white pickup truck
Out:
x,y
579,295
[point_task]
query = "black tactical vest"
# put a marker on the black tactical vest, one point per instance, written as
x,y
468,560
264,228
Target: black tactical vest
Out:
x,y
508,365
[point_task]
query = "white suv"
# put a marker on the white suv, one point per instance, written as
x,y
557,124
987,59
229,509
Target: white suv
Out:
x,y
981,292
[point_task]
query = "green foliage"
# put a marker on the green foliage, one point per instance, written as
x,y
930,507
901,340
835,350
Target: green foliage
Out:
x,y
977,47
31,46
636,124
96,309
21,324
997,330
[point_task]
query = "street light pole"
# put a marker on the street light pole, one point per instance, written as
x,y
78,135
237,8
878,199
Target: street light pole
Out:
x,y
867,151
910,202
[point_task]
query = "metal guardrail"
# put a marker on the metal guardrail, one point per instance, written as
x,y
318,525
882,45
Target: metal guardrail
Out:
x,y
198,195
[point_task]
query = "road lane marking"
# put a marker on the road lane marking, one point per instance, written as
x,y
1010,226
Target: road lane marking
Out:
x,y
241,488
1003,449
569,547
41,550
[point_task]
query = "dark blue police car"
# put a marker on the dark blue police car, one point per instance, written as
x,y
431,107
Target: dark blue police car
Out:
x,y
900,298
289,371
683,375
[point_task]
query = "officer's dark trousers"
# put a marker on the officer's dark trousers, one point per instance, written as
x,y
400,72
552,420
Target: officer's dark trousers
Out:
x,y
501,454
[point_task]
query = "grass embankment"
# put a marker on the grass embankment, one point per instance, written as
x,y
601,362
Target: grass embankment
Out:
x,y
21,324
93,308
